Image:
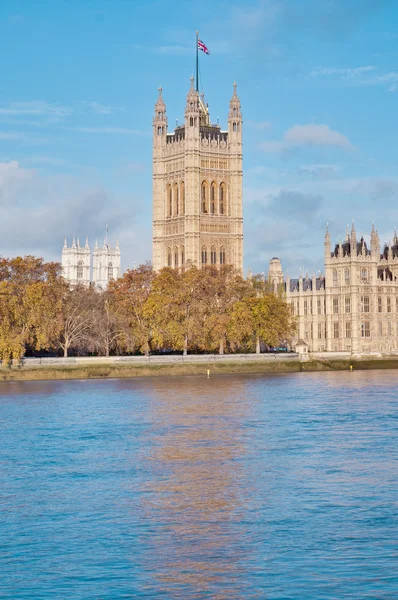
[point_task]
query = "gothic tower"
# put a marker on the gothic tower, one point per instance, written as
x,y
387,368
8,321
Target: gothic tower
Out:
x,y
106,263
197,187
76,262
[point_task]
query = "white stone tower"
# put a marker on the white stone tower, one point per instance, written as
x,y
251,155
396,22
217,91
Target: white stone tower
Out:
x,y
106,263
76,262
197,187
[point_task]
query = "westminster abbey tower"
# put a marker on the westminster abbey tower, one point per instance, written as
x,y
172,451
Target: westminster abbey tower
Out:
x,y
197,187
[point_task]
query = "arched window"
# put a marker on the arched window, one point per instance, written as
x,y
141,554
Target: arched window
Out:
x,y
213,255
364,274
204,255
169,263
335,279
222,255
204,196
182,255
222,199
234,127
176,200
110,271
176,257
80,265
182,197
347,276
213,198
234,112
169,201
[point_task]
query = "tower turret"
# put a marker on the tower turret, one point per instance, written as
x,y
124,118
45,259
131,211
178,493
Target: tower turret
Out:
x,y
327,243
235,119
374,243
353,241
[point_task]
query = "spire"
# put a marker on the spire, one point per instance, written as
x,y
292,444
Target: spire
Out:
x,y
96,244
87,247
117,245
78,242
327,234
234,106
74,243
395,239
65,244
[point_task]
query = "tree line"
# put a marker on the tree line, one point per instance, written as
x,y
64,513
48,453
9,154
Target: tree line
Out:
x,y
191,310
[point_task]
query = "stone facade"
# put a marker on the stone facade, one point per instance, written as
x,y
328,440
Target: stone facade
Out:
x,y
353,307
76,263
197,187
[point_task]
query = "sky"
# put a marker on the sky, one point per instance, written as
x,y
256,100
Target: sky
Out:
x,y
318,84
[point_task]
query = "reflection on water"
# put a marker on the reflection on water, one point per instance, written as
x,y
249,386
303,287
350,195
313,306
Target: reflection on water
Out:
x,y
277,486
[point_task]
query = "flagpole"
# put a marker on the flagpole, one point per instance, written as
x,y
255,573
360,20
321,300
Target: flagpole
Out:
x,y
197,62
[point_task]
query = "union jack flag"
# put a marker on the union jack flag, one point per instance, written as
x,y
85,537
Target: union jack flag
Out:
x,y
203,47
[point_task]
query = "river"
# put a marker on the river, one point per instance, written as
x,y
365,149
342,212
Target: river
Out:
x,y
233,487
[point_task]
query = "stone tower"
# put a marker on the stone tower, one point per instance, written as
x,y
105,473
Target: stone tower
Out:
x,y
197,187
76,262
106,263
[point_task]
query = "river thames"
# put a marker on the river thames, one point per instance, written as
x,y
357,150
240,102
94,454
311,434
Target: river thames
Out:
x,y
278,486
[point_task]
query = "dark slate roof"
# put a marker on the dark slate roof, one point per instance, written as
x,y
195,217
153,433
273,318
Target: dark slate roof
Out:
x,y
385,251
346,247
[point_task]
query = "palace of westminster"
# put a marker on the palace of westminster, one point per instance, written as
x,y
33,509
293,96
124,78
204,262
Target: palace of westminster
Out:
x,y
198,220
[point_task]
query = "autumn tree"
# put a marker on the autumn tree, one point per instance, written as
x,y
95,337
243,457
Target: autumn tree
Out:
x,y
128,297
30,302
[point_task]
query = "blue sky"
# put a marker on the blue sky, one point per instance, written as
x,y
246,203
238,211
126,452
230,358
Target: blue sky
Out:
x,y
318,83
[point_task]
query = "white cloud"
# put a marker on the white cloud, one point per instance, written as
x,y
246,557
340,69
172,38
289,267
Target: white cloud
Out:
x,y
39,211
315,135
319,170
307,135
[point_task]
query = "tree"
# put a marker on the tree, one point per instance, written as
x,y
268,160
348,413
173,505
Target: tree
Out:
x,y
78,318
128,299
110,329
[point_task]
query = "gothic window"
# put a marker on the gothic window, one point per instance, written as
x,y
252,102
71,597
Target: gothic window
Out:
x,y
335,306
379,304
222,255
234,112
176,257
389,328
335,277
182,197
191,121
347,276
305,307
364,275
348,329
388,304
318,305
204,255
336,332
222,210
347,304
80,269
213,256
176,200
213,198
169,257
320,331
169,201
204,196
234,126
160,130
365,306
182,255
110,271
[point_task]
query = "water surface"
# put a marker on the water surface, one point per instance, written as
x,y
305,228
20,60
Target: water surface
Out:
x,y
281,486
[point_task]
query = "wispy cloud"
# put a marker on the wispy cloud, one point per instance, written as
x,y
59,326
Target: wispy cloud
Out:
x,y
167,49
365,76
100,109
307,135
259,125
110,130
345,73
319,170
38,109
